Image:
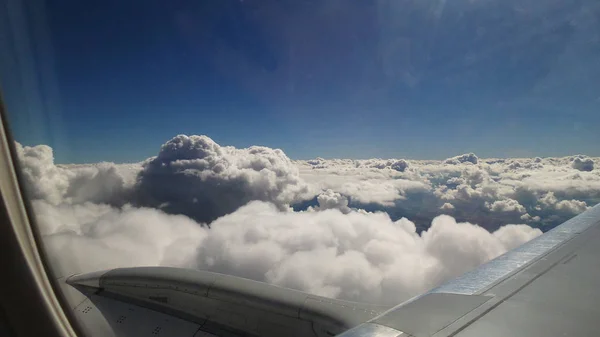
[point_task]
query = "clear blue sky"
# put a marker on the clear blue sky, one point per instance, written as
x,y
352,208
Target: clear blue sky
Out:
x,y
112,80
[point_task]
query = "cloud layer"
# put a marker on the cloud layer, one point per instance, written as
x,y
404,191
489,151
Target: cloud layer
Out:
x,y
358,255
367,230
489,192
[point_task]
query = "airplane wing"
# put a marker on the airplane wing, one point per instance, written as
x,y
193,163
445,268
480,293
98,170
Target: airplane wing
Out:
x,y
547,287
183,302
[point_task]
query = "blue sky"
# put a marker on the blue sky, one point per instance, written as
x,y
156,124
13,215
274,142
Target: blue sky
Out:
x,y
112,80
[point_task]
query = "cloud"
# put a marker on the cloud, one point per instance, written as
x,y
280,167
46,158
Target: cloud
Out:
x,y
399,165
447,206
369,230
364,182
197,177
358,256
355,255
512,236
506,205
463,158
90,237
99,183
568,206
491,193
41,177
583,164
332,200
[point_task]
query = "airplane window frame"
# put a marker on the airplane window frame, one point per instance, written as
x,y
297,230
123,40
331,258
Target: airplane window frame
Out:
x,y
29,293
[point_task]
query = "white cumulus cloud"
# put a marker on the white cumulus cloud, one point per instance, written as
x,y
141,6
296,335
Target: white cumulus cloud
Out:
x,y
357,256
447,206
197,177
366,230
583,164
489,192
332,200
506,205
99,183
463,158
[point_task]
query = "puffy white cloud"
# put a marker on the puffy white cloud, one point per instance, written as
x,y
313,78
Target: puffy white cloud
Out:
x,y
41,177
571,206
506,205
511,189
90,237
332,200
100,183
568,206
583,163
447,206
512,236
364,182
528,218
317,162
354,241
399,165
197,177
462,246
358,256
463,158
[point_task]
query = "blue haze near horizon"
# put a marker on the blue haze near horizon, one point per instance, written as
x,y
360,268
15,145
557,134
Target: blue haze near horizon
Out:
x,y
419,79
